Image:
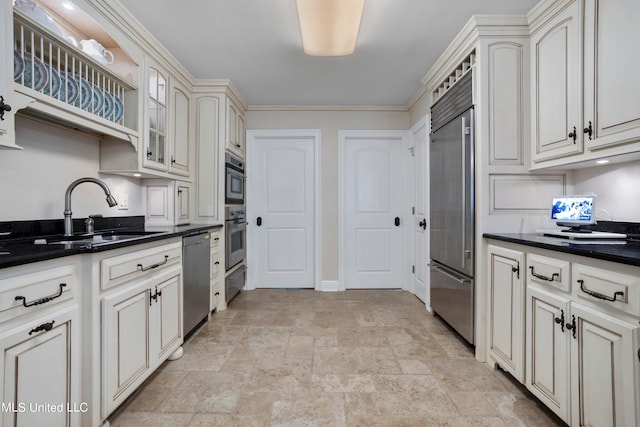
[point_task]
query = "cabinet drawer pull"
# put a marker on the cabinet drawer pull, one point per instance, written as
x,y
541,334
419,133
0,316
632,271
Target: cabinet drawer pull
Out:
x,y
44,327
599,295
41,300
541,277
166,259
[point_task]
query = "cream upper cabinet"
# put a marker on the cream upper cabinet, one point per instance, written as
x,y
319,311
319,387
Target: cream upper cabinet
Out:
x,y
181,130
235,142
611,67
555,80
506,309
585,102
6,57
156,117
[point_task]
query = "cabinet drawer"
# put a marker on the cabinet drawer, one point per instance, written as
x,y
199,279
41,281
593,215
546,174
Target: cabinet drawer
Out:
x,y
215,239
216,294
604,287
36,291
552,272
129,266
215,263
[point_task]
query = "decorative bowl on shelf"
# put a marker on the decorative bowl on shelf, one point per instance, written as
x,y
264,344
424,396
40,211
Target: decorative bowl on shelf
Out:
x,y
52,87
69,89
38,14
40,77
18,65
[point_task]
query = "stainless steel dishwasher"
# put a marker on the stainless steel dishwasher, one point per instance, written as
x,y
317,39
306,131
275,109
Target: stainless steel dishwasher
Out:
x,y
195,267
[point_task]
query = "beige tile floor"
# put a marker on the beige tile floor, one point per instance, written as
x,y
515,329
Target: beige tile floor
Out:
x,y
304,358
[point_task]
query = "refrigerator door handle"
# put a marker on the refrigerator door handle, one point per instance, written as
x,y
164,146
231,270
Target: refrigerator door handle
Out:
x,y
464,195
449,275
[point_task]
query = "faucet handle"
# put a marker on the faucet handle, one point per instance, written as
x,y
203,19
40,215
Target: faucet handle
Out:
x,y
89,223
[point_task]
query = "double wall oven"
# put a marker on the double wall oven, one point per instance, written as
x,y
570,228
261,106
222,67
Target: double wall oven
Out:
x,y
235,226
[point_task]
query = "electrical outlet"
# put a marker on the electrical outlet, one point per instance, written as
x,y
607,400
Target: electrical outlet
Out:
x,y
123,201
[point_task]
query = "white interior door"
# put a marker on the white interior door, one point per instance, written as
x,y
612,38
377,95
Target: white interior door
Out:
x,y
419,135
281,209
371,208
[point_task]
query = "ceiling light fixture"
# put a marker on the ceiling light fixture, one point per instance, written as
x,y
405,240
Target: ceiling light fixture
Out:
x,y
329,27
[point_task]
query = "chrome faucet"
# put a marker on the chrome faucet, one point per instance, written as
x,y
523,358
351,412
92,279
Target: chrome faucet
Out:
x,y
68,223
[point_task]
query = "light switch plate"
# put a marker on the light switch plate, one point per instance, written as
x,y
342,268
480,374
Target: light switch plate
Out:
x,y
123,201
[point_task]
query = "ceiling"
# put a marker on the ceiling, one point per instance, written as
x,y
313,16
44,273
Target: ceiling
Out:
x,y
257,44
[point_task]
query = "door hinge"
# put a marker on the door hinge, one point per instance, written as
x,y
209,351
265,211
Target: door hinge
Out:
x,y
412,151
413,270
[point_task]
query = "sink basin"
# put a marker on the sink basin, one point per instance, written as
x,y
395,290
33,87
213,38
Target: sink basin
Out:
x,y
105,238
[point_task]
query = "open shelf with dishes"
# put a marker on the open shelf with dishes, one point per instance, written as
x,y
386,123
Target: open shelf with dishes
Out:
x,y
71,83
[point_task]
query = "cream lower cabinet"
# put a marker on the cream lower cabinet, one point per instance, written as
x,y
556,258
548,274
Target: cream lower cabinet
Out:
x,y
582,329
141,325
40,344
217,268
506,309
132,321
41,372
548,350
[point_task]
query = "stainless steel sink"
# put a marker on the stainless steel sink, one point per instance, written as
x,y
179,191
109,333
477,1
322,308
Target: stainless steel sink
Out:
x,y
105,238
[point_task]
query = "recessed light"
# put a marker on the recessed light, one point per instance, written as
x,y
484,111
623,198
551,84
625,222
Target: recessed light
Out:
x,y
602,162
68,5
137,175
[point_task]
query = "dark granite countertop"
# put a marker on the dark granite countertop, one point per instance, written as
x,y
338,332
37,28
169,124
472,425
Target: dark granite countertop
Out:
x,y
17,238
622,251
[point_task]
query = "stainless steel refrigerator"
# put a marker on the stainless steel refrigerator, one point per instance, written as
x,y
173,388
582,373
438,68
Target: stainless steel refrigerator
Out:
x,y
452,208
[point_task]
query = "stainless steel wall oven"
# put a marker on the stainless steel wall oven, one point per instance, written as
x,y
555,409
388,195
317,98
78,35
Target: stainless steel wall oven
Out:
x,y
234,180
236,230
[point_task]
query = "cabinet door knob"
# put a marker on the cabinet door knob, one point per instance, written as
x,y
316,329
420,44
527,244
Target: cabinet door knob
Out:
x,y
573,135
396,221
423,224
259,221
589,130
560,320
3,107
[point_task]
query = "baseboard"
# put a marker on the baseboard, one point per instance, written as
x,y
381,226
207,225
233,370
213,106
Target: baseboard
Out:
x,y
330,286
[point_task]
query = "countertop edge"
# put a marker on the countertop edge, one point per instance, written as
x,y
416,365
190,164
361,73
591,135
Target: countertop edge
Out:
x,y
624,254
167,232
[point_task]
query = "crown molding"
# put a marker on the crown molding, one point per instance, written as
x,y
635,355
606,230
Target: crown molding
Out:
x,y
355,108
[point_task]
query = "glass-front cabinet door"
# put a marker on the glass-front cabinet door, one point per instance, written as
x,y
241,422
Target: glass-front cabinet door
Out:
x,y
156,139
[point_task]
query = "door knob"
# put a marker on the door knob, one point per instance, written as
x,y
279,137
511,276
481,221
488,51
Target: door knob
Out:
x,y
259,221
397,221
423,224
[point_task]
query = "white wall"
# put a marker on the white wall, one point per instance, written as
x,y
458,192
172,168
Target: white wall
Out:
x,y
329,122
33,181
617,187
